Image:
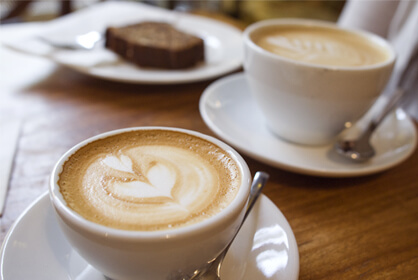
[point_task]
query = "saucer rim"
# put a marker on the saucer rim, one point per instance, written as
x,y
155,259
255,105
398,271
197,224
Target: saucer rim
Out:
x,y
313,171
44,198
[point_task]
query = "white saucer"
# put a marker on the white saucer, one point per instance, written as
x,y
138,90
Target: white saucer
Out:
x,y
36,249
223,43
227,108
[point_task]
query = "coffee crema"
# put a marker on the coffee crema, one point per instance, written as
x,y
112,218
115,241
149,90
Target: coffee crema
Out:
x,y
149,180
320,45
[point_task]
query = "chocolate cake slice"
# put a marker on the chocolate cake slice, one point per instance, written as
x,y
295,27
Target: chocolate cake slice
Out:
x,y
155,44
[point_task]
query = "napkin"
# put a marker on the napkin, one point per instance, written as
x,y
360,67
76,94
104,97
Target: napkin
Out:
x,y
397,21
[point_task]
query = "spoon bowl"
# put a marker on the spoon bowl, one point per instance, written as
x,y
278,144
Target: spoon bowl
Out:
x,y
358,149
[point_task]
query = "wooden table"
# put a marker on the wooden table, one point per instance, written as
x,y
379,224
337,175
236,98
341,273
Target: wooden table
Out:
x,y
348,228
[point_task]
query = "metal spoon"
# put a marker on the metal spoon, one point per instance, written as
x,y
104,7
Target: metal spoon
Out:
x,y
213,270
86,41
356,146
359,148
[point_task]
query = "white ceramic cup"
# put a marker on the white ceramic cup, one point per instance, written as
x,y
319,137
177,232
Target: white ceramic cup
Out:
x,y
126,255
309,103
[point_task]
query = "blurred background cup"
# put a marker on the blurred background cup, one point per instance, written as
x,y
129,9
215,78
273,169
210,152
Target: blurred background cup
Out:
x,y
310,77
154,254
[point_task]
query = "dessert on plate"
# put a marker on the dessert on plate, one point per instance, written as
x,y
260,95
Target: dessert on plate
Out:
x,y
155,44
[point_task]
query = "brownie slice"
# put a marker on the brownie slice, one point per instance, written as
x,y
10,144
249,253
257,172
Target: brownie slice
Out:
x,y
155,44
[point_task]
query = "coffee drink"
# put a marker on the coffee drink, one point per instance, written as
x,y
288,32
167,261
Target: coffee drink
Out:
x,y
150,202
309,77
149,180
320,45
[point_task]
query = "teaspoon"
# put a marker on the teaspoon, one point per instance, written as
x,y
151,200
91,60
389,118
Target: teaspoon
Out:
x,y
356,145
213,270
86,41
359,148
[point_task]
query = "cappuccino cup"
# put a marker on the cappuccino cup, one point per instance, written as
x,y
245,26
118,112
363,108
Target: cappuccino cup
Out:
x,y
150,202
311,78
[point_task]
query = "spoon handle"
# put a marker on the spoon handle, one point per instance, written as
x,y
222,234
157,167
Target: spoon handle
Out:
x,y
391,104
401,94
213,270
259,181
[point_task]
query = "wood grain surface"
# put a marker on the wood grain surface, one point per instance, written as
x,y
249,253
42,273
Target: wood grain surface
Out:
x,y
347,228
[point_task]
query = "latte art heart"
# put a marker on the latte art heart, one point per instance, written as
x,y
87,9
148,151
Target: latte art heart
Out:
x,y
149,181
158,182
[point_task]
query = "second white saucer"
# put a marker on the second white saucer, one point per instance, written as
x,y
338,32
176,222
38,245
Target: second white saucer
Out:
x,y
228,109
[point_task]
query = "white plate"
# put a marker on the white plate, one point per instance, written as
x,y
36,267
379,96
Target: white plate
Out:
x,y
228,109
36,249
223,43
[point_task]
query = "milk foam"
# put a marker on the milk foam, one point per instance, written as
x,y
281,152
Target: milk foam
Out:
x,y
148,183
321,46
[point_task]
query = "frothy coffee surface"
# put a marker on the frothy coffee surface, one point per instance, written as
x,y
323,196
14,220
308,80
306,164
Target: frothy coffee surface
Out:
x,y
317,45
149,180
